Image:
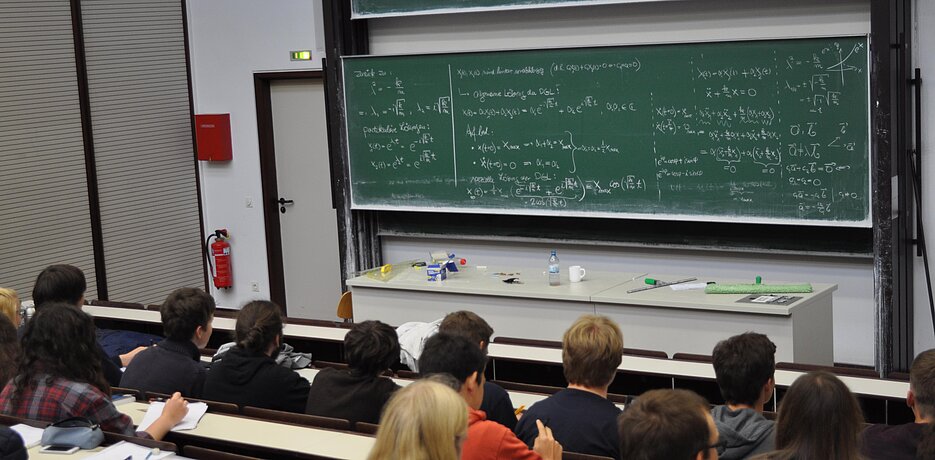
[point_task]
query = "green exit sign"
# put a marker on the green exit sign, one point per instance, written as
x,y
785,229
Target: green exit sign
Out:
x,y
300,55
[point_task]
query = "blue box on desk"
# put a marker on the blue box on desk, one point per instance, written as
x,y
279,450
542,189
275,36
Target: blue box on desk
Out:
x,y
436,272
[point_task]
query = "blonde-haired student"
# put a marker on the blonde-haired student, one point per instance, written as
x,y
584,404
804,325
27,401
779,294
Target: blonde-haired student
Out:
x,y
423,421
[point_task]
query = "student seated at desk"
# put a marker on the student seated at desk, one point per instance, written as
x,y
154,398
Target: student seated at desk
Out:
x,y
10,305
497,403
581,416
9,350
66,284
424,421
818,417
461,358
59,376
900,441
359,393
174,365
744,366
247,374
669,425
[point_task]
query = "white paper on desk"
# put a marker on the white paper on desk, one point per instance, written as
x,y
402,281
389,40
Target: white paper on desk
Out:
x,y
127,450
196,410
30,434
688,286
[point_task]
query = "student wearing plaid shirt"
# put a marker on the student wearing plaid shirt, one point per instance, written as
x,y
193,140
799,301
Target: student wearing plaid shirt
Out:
x,y
59,376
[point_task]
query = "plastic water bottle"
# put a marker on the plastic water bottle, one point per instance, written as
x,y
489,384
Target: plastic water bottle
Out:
x,y
554,271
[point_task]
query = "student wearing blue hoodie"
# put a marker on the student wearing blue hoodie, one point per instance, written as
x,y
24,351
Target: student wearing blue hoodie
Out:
x,y
744,366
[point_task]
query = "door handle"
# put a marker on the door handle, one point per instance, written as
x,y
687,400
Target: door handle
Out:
x,y
282,204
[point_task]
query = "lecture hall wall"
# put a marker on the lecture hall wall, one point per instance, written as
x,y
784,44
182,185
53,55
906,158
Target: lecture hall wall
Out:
x,y
233,39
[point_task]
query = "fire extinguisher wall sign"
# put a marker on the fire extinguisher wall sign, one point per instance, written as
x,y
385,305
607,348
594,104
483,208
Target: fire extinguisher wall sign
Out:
x,y
219,258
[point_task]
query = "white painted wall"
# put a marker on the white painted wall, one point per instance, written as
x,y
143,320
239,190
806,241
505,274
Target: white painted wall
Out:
x,y
924,50
230,40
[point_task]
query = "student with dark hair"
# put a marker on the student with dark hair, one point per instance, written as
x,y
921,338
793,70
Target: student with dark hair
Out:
x,y
59,376
465,361
819,417
744,366
9,350
60,283
359,393
497,403
668,425
248,374
900,441
175,363
581,416
66,284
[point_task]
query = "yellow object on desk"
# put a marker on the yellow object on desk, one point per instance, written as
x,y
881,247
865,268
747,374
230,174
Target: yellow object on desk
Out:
x,y
386,272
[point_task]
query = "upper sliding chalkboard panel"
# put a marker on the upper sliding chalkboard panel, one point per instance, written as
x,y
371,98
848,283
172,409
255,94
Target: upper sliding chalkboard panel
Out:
x,y
361,9
756,131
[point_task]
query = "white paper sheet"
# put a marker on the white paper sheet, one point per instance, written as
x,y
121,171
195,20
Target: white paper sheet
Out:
x,y
124,450
688,286
31,435
196,410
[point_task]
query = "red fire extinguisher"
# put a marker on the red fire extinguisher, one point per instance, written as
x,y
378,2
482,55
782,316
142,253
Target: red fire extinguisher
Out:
x,y
220,251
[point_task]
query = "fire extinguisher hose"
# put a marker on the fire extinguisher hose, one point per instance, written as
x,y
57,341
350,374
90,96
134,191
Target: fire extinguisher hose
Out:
x,y
208,253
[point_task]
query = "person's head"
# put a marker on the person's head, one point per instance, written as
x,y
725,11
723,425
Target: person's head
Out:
x,y
60,340
187,314
10,305
819,417
468,324
921,397
371,347
744,366
59,283
425,420
259,327
9,349
668,425
592,348
460,357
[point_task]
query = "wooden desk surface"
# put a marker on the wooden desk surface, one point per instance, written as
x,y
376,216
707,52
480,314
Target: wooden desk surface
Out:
x,y
668,367
666,297
335,334
328,443
487,282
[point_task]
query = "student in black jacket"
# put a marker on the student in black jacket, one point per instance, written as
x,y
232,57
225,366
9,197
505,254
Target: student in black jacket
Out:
x,y
359,393
247,375
174,365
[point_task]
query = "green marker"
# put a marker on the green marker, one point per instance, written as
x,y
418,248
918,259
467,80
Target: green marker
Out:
x,y
759,279
651,281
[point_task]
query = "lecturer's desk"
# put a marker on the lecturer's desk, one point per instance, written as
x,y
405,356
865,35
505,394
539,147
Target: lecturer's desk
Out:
x,y
531,310
655,319
693,322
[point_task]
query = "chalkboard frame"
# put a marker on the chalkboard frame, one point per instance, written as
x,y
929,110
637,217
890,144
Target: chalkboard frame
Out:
x,y
358,12
866,223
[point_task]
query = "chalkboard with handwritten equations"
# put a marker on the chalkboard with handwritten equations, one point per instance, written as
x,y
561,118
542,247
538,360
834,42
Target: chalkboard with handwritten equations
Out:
x,y
771,131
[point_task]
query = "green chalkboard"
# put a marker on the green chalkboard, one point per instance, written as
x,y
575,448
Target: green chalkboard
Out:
x,y
382,8
771,131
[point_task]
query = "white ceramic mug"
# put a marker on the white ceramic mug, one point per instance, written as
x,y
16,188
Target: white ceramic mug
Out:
x,y
575,273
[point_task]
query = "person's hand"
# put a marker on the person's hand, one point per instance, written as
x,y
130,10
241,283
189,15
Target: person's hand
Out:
x,y
175,409
127,357
546,446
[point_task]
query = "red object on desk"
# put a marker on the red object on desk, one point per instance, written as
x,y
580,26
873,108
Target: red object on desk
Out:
x,y
213,136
